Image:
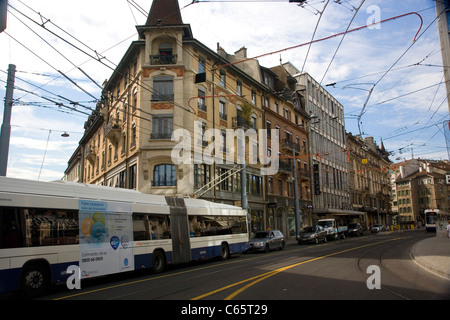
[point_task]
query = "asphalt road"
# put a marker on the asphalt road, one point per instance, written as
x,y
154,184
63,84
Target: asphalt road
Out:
x,y
371,267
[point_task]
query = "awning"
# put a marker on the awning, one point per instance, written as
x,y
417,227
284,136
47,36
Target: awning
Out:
x,y
338,212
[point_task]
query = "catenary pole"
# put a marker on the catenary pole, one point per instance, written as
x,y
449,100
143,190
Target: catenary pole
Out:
x,y
6,125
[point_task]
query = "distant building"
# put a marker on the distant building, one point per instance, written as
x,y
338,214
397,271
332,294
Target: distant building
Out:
x,y
419,185
327,149
369,186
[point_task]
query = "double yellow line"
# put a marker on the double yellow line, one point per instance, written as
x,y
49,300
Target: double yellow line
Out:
x,y
261,277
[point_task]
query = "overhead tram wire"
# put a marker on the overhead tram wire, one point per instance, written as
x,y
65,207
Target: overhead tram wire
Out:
x,y
416,37
50,65
342,39
314,33
99,59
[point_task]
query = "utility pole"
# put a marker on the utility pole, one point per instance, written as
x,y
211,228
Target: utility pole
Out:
x,y
296,200
3,10
6,125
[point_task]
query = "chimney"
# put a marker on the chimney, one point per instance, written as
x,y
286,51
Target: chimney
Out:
x,y
241,53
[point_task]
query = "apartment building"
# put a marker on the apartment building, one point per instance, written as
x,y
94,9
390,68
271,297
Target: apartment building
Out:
x,y
327,149
369,179
420,184
169,117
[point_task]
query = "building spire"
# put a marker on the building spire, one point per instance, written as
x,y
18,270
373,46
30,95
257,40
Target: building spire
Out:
x,y
164,13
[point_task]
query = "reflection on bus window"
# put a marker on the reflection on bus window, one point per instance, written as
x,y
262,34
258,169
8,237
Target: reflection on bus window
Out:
x,y
151,227
201,226
38,227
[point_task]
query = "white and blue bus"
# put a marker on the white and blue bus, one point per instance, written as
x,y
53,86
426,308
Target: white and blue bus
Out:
x,y
431,215
45,227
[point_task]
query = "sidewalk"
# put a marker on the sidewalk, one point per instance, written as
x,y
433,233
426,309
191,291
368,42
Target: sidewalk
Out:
x,y
433,254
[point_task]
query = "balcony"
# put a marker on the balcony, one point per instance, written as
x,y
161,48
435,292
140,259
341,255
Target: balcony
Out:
x,y
160,136
90,153
112,130
160,59
285,166
289,145
240,122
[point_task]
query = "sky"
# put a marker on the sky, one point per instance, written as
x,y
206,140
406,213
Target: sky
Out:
x,y
388,77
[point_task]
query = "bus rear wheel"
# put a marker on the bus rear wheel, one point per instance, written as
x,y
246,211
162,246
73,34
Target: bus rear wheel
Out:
x,y
224,251
34,280
158,261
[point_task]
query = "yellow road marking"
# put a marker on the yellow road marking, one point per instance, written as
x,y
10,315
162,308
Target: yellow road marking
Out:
x,y
269,274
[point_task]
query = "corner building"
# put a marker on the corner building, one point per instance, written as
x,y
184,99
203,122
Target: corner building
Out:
x,y
167,80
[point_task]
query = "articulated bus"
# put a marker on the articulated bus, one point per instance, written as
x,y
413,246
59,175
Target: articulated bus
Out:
x,y
431,215
45,227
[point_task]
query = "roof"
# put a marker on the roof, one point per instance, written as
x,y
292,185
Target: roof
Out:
x,y
74,191
165,12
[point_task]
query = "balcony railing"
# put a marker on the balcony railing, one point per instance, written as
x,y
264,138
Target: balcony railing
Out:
x,y
163,59
112,129
160,136
240,122
289,144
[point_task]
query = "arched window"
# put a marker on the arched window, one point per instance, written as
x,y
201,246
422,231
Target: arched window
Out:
x,y
164,175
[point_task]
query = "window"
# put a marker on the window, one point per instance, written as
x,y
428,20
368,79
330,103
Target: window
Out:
x,y
202,226
163,88
254,97
133,136
164,175
201,175
239,87
254,184
223,140
201,64
201,101
37,227
254,121
222,77
150,227
133,172
162,126
134,106
222,110
165,55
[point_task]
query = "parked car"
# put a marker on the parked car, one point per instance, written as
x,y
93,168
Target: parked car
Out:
x,y
313,233
267,240
355,229
377,228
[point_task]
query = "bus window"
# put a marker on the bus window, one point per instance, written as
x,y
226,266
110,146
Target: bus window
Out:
x,y
46,227
150,227
201,226
37,227
10,231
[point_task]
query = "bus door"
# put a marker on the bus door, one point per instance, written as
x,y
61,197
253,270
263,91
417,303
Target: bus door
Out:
x,y
179,229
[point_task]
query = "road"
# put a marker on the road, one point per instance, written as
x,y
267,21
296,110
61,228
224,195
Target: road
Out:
x,y
371,267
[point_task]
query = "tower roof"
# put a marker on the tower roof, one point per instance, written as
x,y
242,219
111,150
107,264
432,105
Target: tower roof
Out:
x,y
164,12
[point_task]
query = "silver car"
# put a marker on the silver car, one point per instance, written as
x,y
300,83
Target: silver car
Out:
x,y
312,234
267,240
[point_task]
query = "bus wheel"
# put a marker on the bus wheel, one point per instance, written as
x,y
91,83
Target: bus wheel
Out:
x,y
224,251
158,261
34,280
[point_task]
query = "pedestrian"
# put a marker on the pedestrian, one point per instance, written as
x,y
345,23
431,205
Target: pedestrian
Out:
x,y
448,228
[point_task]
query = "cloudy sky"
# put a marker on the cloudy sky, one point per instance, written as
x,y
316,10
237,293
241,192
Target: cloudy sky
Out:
x,y
395,73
